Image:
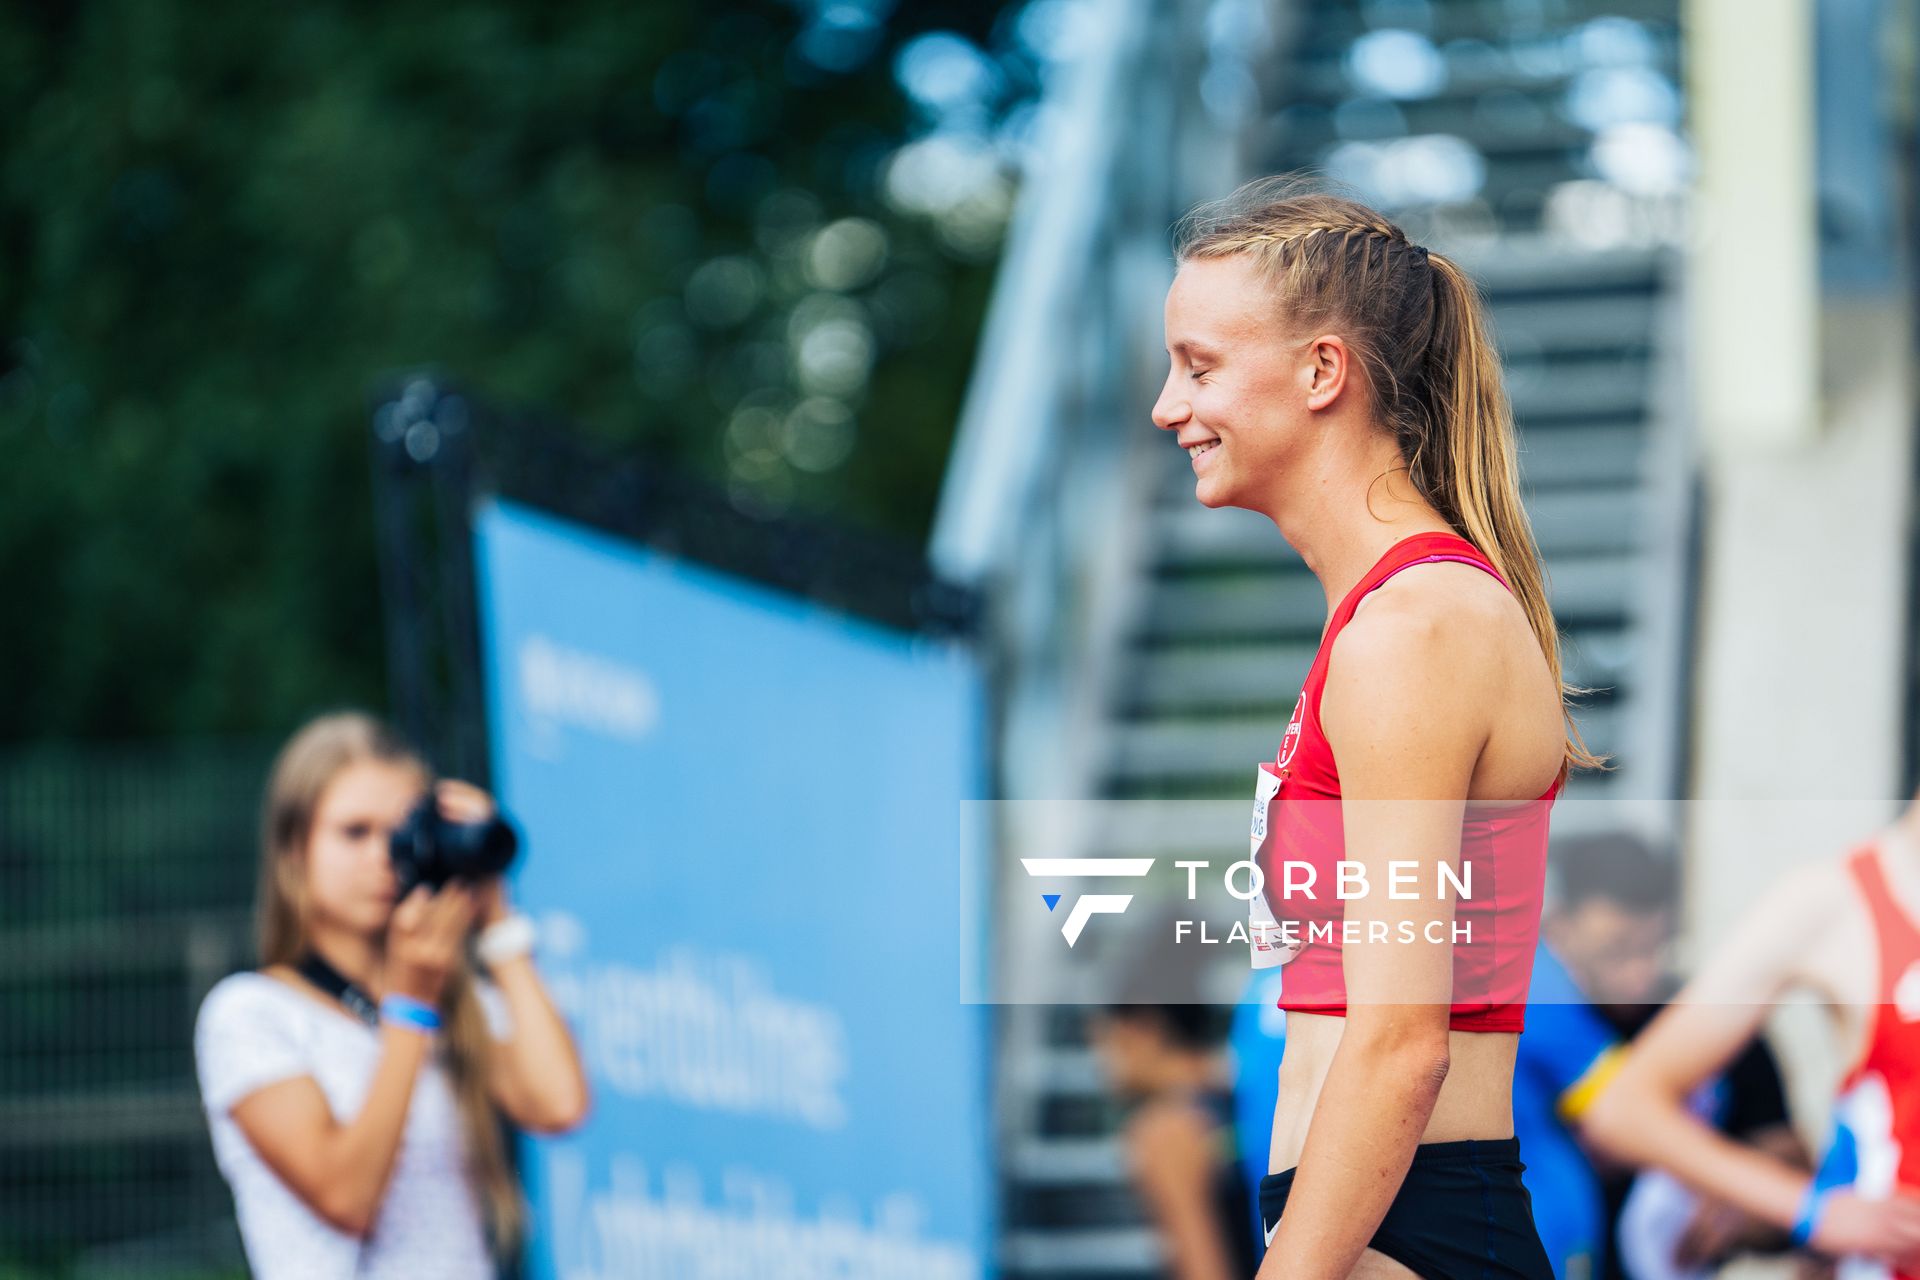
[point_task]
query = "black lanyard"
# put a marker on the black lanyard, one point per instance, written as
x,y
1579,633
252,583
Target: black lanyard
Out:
x,y
340,987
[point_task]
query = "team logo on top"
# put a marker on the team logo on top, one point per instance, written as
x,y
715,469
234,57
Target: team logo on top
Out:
x,y
1291,738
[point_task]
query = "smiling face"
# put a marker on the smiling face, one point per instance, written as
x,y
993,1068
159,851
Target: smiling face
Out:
x,y
1239,387
349,877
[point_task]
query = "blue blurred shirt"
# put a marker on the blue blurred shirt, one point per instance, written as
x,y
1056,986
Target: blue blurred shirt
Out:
x,y
1258,1038
1565,1055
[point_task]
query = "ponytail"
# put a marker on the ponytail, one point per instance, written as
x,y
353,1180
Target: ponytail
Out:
x,y
1476,484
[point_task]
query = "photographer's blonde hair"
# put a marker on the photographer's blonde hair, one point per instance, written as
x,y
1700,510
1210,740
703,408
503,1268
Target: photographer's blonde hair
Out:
x,y
1417,326
306,765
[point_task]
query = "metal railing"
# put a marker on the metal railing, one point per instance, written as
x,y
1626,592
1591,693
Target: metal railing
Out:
x,y
130,876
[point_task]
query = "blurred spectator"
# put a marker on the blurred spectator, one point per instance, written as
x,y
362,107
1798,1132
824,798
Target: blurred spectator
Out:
x,y
1610,924
356,1084
1842,928
1566,1055
1163,1060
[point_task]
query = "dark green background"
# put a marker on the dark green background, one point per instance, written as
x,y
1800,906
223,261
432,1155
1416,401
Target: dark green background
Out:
x,y
220,224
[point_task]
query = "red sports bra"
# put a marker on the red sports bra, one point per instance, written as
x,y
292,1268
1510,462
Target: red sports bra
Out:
x,y
1503,850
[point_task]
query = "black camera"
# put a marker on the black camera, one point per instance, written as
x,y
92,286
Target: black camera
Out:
x,y
430,849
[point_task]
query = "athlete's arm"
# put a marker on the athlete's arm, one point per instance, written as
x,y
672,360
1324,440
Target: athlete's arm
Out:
x,y
1642,1117
1405,716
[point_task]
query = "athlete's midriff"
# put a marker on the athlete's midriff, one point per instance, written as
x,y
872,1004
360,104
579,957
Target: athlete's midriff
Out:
x,y
1501,872
1475,1100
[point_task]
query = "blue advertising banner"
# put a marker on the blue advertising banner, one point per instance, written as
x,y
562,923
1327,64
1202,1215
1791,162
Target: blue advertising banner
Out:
x,y
742,823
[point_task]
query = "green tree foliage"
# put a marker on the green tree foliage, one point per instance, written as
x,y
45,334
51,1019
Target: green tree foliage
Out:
x,y
220,224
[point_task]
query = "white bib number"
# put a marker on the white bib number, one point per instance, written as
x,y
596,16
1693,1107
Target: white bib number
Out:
x,y
1269,944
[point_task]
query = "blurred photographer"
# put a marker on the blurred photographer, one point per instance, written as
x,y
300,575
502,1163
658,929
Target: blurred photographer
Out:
x,y
356,1083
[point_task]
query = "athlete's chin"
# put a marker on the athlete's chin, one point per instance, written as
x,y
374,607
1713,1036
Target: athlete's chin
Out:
x,y
1210,492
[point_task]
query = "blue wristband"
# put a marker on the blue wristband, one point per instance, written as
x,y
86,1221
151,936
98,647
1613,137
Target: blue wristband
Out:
x,y
408,1012
1809,1220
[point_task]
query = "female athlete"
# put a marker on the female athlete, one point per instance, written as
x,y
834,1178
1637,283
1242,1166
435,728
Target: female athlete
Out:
x,y
1339,379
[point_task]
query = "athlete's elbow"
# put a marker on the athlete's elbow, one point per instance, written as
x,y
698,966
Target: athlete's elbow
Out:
x,y
1427,1069
1414,1060
1418,1072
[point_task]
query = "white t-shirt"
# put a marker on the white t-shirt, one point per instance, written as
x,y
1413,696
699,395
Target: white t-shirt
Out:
x,y
254,1030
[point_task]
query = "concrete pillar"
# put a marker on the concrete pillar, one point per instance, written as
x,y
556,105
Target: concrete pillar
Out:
x,y
1805,413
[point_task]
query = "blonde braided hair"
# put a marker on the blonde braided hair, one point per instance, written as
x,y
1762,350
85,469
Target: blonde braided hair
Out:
x,y
1418,328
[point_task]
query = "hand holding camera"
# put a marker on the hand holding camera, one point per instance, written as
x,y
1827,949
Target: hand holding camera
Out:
x,y
425,939
448,857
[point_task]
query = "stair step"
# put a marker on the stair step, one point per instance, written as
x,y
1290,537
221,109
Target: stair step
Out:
x,y
1508,171
1166,830
1261,677
1230,747
1600,521
1084,1206
1585,452
1542,266
1473,69
1068,1161
1337,25
1507,124
102,1117
1114,1253
1185,749
1286,603
1218,677
1074,1115
1545,391
1061,1070
1605,322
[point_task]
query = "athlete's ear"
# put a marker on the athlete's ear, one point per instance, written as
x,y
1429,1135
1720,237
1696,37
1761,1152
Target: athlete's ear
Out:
x,y
1328,360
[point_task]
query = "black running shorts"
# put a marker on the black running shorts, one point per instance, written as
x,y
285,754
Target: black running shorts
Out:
x,y
1461,1214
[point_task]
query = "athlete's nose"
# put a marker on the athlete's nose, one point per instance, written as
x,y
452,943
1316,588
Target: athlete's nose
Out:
x,y
1170,410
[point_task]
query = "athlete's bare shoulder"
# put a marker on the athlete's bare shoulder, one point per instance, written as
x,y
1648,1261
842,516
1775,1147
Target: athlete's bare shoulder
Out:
x,y
1447,604
1407,695
1452,628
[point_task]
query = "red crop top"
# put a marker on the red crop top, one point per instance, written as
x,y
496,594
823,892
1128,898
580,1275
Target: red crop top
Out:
x,y
1503,850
